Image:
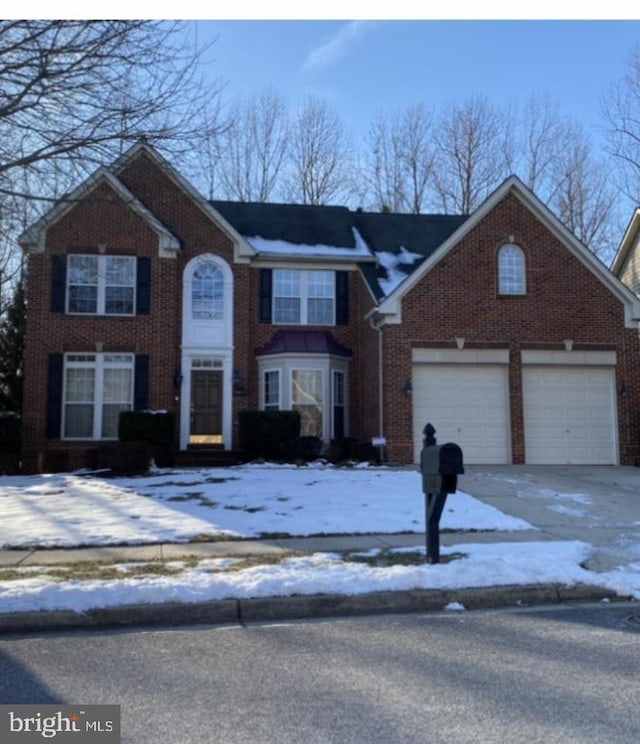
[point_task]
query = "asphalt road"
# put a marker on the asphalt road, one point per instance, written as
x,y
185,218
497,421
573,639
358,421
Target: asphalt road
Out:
x,y
561,674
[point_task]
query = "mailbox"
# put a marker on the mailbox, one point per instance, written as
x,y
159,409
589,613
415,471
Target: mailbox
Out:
x,y
440,465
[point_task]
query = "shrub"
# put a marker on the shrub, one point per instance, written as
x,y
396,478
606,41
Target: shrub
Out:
x,y
155,429
303,448
9,432
146,426
265,433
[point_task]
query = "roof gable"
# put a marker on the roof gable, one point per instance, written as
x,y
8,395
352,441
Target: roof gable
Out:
x,y
243,251
390,306
33,238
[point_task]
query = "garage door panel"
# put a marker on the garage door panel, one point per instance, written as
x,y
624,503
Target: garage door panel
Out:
x,y
569,415
466,404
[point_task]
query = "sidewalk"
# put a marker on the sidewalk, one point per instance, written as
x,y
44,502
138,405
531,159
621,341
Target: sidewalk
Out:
x,y
598,505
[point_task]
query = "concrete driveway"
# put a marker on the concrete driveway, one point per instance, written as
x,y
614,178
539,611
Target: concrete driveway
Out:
x,y
599,505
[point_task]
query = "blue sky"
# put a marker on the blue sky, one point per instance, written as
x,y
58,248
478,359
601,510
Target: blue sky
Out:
x,y
366,67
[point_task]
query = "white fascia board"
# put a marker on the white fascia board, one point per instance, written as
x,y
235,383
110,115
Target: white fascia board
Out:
x,y
243,251
34,238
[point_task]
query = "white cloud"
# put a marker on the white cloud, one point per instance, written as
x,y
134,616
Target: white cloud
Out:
x,y
337,46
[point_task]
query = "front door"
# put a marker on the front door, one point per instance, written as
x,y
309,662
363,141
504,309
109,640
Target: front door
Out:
x,y
206,407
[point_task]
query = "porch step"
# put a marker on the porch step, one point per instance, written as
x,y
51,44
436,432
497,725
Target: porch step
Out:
x,y
207,457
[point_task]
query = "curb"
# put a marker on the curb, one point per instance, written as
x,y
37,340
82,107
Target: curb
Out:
x,y
299,607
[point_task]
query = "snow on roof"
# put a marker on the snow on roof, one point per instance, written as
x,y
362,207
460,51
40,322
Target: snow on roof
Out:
x,y
391,262
284,248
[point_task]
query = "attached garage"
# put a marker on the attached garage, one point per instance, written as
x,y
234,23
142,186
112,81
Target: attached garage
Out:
x,y
464,394
569,409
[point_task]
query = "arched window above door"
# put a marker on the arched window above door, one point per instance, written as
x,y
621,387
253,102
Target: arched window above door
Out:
x,y
207,292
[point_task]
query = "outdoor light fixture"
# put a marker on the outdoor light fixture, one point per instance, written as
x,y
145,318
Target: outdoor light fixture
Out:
x,y
177,379
624,390
408,388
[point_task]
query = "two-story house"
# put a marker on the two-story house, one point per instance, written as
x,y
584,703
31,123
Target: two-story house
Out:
x,y
499,327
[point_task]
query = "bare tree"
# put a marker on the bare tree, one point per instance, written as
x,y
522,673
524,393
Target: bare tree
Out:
x,y
400,161
253,147
583,196
73,91
318,156
621,113
469,159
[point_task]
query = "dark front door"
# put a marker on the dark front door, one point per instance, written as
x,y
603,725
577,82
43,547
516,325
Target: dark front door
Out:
x,y
206,407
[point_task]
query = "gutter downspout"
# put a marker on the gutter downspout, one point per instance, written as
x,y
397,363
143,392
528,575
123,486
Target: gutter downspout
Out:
x,y
378,327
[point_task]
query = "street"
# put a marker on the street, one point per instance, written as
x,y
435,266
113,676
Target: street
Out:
x,y
552,674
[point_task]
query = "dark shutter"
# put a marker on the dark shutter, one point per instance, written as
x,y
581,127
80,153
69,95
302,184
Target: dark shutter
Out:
x,y
54,395
141,383
143,286
265,295
58,283
342,297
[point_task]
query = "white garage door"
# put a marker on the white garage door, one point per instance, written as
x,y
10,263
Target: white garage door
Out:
x,y
569,415
467,404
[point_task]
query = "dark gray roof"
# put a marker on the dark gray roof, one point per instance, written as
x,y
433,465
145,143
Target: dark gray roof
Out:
x,y
301,224
311,225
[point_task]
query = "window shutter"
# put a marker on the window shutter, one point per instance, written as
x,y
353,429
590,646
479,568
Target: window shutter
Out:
x,y
54,396
141,383
58,283
342,297
265,295
143,286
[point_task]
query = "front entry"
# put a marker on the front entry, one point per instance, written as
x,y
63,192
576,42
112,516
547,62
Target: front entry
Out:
x,y
206,407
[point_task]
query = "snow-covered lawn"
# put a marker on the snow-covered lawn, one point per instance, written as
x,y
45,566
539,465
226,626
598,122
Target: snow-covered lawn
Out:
x,y
178,506
71,510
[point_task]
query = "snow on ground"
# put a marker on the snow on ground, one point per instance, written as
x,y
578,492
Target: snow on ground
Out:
x,y
75,509
68,510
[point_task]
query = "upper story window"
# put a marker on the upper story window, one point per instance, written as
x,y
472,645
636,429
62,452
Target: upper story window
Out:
x,y
101,285
207,292
511,271
304,297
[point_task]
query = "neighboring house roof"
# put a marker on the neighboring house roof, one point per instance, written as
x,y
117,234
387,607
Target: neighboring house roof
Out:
x,y
303,342
628,245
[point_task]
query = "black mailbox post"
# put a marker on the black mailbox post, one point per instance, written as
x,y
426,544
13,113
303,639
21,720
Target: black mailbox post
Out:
x,y
440,466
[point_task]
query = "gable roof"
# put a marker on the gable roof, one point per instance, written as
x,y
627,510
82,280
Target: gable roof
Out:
x,y
387,246
33,238
390,306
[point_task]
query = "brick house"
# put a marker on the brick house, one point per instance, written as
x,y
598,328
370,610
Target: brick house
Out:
x,y
500,328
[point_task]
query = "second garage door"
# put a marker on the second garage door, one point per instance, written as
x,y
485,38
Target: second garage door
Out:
x,y
569,415
468,405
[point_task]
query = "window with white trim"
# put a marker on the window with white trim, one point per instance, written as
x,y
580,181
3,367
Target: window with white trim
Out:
x,y
304,297
101,285
511,270
306,398
271,390
97,387
207,292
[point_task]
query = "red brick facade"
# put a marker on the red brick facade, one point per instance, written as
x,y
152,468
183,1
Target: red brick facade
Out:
x,y
457,297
